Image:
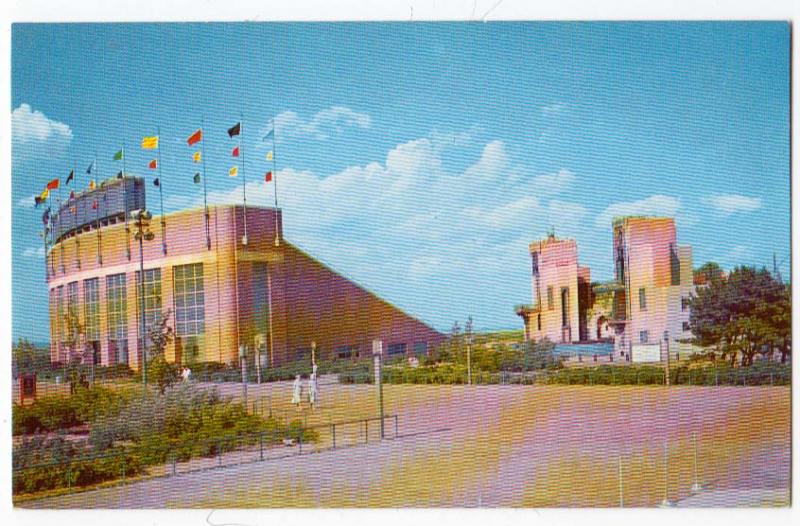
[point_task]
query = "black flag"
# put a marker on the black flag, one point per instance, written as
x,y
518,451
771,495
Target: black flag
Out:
x,y
156,182
71,176
235,129
119,175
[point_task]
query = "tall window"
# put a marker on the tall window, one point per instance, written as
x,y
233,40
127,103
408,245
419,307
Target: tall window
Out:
x,y
684,303
674,265
396,349
152,298
565,307
62,333
420,348
644,336
535,263
91,308
550,305
117,309
642,299
189,300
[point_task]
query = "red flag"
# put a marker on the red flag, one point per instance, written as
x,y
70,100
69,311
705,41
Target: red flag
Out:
x,y
196,137
72,194
52,185
235,152
94,205
153,164
268,177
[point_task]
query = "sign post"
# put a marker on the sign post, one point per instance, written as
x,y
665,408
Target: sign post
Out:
x,y
243,360
377,356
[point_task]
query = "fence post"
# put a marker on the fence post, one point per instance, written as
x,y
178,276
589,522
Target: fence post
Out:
x,y
366,431
261,445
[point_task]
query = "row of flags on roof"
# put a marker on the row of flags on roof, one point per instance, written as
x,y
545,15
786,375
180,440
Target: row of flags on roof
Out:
x,y
151,143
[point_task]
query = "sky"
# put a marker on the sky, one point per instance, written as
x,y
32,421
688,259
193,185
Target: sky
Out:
x,y
421,159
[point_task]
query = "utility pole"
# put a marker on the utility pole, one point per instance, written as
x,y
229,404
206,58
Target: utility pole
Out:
x,y
377,355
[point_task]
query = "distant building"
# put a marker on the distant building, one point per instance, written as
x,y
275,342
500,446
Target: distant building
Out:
x,y
221,292
646,303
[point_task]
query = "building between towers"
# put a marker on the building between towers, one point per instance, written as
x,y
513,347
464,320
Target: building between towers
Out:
x,y
219,291
645,305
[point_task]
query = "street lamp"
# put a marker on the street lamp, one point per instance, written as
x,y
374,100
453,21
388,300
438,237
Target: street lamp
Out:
x,y
142,223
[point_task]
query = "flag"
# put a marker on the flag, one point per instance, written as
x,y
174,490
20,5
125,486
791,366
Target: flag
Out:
x,y
94,204
72,194
46,216
235,129
197,178
156,182
270,134
118,155
268,177
234,171
269,155
92,185
71,176
38,200
53,185
196,157
119,175
235,152
89,170
153,164
44,195
195,137
150,143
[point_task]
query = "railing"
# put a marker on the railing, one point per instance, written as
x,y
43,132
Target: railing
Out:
x,y
224,451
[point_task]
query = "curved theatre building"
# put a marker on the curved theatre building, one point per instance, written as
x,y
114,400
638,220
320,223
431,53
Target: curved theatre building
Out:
x,y
221,291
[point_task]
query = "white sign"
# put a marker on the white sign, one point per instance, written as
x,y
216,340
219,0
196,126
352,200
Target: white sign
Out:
x,y
646,353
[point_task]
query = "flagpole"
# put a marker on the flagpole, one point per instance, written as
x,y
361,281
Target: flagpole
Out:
x,y
205,188
125,206
97,216
275,179
161,195
77,237
244,177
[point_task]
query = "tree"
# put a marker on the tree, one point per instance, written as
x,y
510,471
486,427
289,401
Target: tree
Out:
x,y
707,273
746,314
540,354
162,372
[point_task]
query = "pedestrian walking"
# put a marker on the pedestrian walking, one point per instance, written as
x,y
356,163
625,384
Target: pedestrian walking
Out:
x,y
297,392
312,390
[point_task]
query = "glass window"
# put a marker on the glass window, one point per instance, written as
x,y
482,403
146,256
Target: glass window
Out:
x,y
535,263
117,309
642,299
189,300
684,303
91,308
62,333
420,348
152,298
396,349
347,352
550,305
686,326
643,336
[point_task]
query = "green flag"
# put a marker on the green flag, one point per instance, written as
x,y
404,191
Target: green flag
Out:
x,y
118,155
197,178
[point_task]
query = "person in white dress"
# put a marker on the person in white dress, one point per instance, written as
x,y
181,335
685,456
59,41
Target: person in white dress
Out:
x,y
312,390
297,391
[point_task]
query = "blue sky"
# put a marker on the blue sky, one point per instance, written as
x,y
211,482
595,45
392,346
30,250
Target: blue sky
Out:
x,y
421,159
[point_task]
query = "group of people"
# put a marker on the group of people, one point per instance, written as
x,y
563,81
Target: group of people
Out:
x,y
311,386
186,374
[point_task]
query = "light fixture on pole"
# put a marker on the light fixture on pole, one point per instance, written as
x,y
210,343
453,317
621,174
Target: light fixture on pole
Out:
x,y
142,223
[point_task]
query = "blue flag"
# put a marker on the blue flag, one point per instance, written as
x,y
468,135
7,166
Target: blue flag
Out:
x,y
270,134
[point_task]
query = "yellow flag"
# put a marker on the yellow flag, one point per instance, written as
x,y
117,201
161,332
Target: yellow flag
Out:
x,y
196,157
269,156
234,171
92,185
150,143
45,194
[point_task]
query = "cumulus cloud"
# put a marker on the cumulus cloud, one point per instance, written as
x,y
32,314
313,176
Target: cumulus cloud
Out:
x,y
655,205
730,203
33,252
321,126
28,125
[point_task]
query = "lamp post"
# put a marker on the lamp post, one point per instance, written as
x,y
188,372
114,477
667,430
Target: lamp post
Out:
x,y
243,361
142,222
377,356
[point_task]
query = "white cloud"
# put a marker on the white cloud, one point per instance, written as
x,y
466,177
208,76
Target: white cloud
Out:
x,y
554,183
28,126
655,205
552,109
34,252
731,203
321,126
